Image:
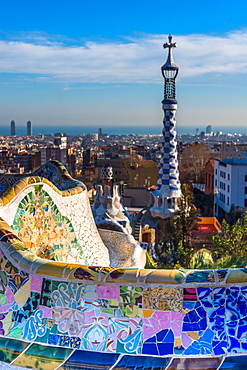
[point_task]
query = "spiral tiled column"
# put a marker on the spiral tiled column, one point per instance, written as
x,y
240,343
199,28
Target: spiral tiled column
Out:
x,y
168,185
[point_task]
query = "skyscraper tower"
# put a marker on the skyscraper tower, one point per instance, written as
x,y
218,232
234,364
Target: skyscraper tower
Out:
x,y
29,128
12,128
168,190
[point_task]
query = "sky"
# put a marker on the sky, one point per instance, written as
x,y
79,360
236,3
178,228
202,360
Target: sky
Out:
x,y
91,62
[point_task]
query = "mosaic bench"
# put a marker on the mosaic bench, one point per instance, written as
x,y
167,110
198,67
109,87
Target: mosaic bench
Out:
x,y
56,314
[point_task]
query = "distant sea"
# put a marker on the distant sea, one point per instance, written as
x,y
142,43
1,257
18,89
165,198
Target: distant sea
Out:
x,y
113,130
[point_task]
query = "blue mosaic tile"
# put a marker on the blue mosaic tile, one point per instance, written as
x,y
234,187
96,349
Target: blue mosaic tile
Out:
x,y
195,320
234,363
233,345
219,347
138,362
150,349
200,276
160,344
82,360
203,345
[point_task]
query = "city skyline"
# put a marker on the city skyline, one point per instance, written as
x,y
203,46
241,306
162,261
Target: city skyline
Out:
x,y
99,64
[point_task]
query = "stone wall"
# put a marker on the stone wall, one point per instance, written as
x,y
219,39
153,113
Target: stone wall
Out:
x,y
124,250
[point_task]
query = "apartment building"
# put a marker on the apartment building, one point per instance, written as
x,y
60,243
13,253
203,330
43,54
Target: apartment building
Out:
x,y
230,185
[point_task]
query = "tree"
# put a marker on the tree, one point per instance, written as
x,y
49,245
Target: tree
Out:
x,y
232,241
192,163
203,259
175,245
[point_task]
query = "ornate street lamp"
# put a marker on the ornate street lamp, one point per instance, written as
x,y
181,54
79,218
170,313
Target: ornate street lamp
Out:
x,y
169,71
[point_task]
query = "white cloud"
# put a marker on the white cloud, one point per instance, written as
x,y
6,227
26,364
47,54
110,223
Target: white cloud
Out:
x,y
135,60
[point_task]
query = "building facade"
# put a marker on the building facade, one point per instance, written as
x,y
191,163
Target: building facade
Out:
x,y
29,128
230,185
12,128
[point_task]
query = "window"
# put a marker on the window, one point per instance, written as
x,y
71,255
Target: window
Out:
x,y
245,178
228,188
228,176
222,185
215,182
245,190
228,201
222,197
223,174
216,171
245,202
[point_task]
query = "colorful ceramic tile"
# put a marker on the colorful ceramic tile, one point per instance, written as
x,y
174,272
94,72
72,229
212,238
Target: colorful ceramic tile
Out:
x,y
142,362
34,327
190,294
46,289
194,364
163,299
94,332
22,295
200,276
162,320
222,273
165,277
69,320
237,276
44,230
234,363
90,296
82,360
42,357
67,295
10,349
161,344
196,319
36,284
131,295
108,292
130,310
124,335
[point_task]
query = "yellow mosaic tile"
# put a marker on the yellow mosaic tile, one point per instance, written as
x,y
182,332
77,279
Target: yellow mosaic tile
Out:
x,y
22,294
163,277
122,276
147,313
143,274
237,276
10,194
4,225
69,269
20,185
5,200
52,269
177,342
193,334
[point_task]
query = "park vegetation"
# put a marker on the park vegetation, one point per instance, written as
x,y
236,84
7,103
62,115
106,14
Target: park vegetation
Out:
x,y
175,246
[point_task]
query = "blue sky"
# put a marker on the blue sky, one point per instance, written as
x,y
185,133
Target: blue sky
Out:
x,y
82,62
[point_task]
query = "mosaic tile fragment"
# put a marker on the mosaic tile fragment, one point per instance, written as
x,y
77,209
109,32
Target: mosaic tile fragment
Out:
x,y
194,364
81,360
42,357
